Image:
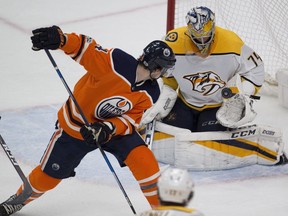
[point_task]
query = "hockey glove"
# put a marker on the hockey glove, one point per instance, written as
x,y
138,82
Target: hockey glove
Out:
x,y
236,110
97,132
48,38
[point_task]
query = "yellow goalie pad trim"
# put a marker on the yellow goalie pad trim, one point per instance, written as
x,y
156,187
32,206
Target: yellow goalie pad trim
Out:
x,y
237,147
178,208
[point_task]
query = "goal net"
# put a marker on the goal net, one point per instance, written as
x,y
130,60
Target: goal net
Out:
x,y
262,25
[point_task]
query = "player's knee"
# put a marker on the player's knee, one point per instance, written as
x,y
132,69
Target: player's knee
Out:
x,y
142,162
41,181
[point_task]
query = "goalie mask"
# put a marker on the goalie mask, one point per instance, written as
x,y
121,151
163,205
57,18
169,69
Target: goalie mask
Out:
x,y
201,27
158,55
175,186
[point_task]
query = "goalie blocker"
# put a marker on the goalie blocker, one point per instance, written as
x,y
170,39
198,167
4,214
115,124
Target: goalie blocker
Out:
x,y
201,151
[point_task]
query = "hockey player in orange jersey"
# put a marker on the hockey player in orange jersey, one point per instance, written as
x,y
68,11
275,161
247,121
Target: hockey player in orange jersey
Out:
x,y
113,95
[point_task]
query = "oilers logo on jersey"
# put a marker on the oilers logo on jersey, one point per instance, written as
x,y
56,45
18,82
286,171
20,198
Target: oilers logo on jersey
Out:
x,y
206,82
111,107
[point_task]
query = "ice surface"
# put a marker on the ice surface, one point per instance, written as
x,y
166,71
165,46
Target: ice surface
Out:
x,y
31,93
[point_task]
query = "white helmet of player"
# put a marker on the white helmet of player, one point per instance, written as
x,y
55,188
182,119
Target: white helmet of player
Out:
x,y
201,27
175,186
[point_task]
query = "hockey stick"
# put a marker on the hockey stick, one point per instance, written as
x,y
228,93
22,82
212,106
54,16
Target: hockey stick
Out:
x,y
149,133
88,124
14,163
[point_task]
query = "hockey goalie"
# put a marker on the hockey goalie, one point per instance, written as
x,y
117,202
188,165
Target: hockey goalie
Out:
x,y
239,145
206,103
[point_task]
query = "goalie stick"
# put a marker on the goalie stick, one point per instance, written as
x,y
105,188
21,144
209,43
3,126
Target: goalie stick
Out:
x,y
15,164
149,133
87,124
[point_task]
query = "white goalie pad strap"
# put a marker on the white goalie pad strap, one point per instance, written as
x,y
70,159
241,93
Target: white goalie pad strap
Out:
x,y
162,107
184,149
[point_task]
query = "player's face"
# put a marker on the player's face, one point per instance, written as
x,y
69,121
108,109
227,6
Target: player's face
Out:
x,y
156,73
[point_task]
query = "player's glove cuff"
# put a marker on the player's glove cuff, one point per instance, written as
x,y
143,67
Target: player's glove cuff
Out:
x,y
98,133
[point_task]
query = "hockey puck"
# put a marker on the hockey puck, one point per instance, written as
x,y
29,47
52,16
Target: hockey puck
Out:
x,y
227,93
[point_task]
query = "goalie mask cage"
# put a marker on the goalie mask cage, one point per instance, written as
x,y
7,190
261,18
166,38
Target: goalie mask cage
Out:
x,y
262,25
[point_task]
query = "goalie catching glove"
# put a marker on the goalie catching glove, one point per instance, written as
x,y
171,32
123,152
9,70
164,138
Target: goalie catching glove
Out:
x,y
97,132
237,108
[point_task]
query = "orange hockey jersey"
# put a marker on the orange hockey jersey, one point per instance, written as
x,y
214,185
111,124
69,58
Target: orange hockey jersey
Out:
x,y
107,92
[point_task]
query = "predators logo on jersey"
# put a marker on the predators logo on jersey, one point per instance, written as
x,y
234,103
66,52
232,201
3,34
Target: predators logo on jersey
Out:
x,y
206,82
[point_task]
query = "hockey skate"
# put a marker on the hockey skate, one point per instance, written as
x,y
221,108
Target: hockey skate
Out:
x,y
7,208
283,159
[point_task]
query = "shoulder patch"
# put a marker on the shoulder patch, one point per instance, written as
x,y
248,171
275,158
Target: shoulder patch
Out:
x,y
171,37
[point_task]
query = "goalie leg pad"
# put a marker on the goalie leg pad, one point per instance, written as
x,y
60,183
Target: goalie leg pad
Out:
x,y
201,155
270,139
238,148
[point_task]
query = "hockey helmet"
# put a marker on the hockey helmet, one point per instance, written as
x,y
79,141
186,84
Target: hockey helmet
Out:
x,y
201,27
158,55
175,186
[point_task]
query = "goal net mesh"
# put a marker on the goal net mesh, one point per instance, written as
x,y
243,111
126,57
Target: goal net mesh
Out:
x,y
262,25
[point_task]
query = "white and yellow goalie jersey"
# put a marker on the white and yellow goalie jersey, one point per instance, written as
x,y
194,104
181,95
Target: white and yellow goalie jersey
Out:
x,y
201,79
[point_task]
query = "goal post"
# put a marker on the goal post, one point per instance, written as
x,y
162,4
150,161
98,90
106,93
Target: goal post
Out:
x,y
170,15
262,25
